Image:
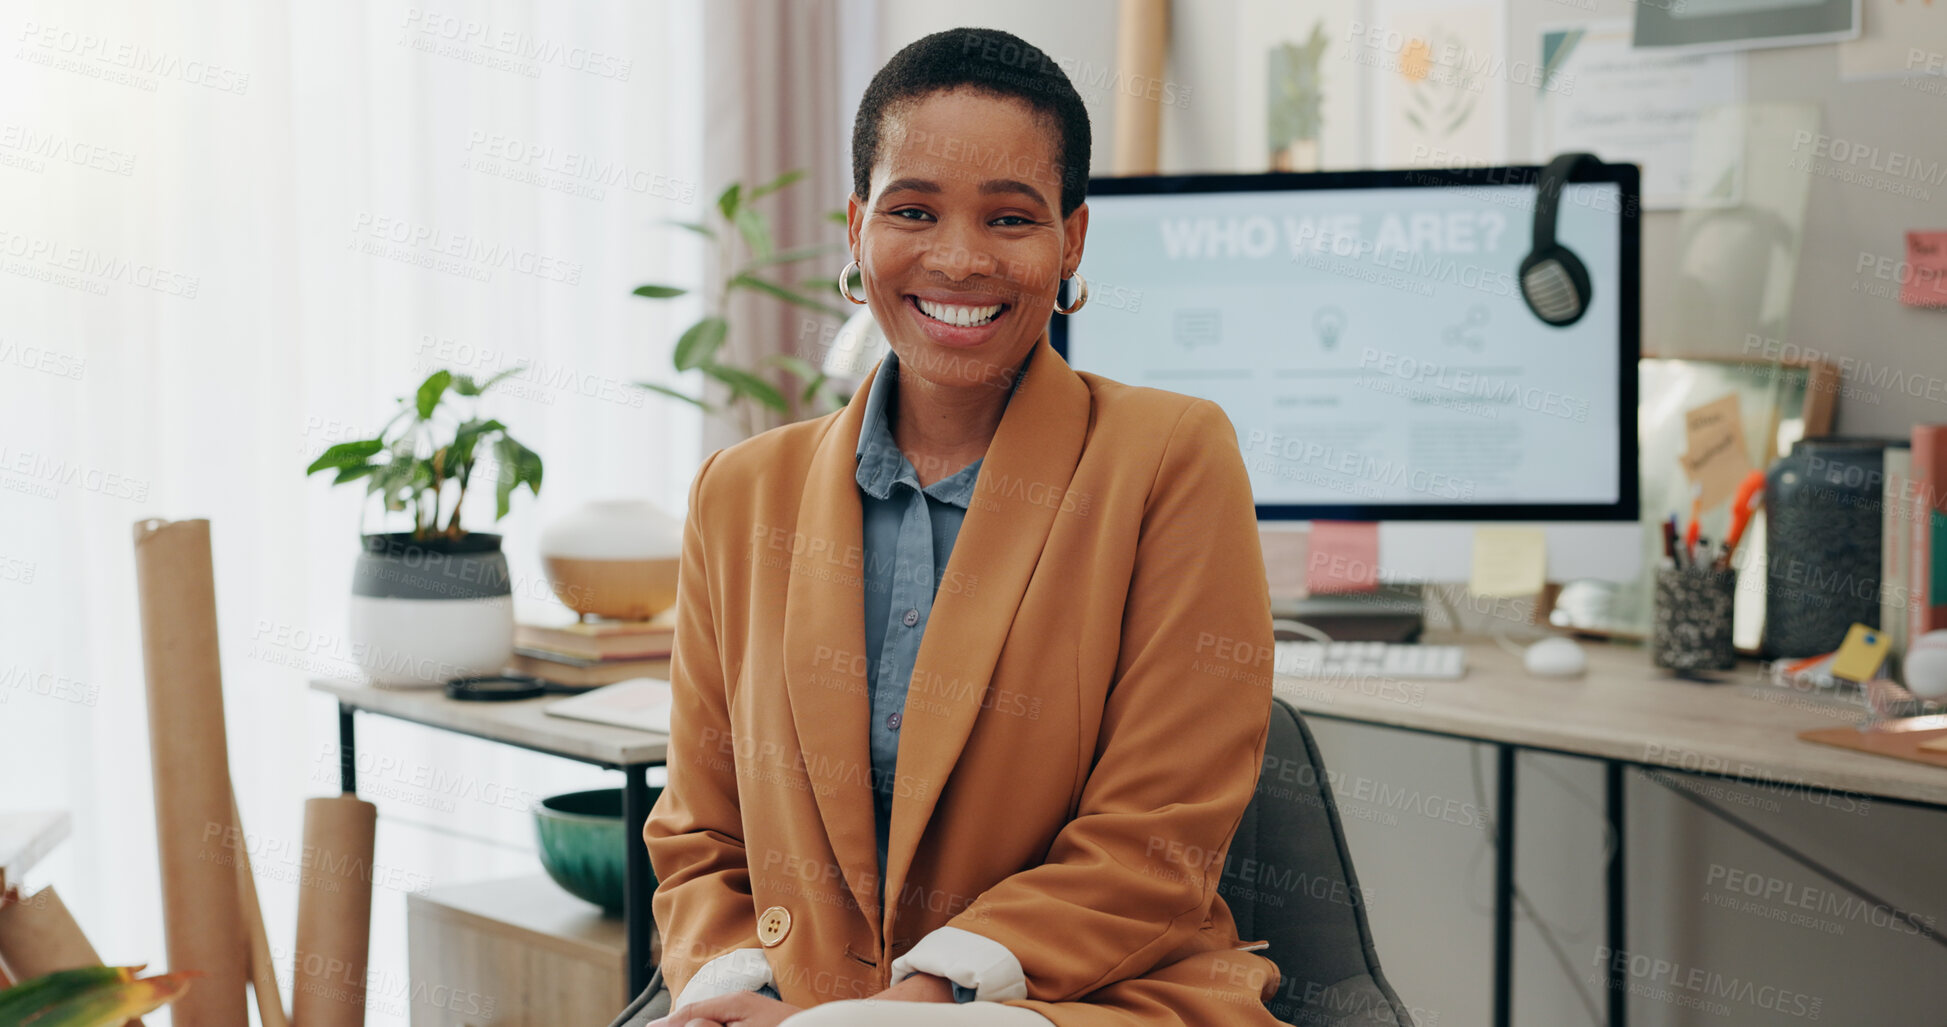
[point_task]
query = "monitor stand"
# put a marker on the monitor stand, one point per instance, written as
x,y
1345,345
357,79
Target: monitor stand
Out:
x,y
1394,613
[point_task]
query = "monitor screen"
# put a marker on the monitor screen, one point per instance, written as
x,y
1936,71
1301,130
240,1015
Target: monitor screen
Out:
x,y
1366,334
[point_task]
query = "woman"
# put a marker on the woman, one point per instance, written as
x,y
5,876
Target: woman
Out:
x,y
972,677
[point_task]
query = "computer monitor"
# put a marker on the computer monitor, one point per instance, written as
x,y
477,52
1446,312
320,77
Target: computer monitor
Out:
x,y
1366,333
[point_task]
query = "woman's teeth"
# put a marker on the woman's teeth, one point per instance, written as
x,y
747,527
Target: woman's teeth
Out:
x,y
963,317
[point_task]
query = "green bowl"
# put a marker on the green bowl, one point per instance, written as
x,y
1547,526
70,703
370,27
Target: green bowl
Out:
x,y
583,846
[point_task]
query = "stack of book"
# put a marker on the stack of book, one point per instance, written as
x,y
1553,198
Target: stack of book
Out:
x,y
1914,566
595,652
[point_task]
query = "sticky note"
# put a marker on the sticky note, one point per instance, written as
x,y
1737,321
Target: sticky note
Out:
x,y
1344,557
1923,281
1509,561
1284,561
1716,456
1861,654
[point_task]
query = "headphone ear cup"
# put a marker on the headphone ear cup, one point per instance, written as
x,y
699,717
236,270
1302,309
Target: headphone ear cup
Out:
x,y
1556,285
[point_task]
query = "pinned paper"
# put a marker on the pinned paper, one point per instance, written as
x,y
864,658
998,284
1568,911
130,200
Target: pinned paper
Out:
x,y
1716,456
1923,281
1509,562
1344,557
1861,654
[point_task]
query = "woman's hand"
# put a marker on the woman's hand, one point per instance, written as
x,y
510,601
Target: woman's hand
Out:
x,y
919,987
744,1009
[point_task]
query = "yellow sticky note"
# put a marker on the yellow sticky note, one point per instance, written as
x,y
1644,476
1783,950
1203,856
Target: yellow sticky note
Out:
x,y
1715,456
1861,655
1509,561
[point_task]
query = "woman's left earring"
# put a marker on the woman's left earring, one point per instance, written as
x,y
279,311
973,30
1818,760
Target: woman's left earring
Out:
x,y
845,282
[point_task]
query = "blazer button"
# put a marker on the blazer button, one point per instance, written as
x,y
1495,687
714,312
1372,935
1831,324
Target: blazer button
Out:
x,y
772,925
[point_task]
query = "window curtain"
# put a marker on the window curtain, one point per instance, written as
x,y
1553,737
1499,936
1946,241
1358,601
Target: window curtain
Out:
x,y
774,102
232,235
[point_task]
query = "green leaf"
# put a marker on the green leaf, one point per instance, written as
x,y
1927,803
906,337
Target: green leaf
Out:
x,y
731,199
673,394
658,292
749,281
755,230
345,454
502,376
519,466
793,256
355,472
431,390
810,373
700,343
743,383
695,226
774,185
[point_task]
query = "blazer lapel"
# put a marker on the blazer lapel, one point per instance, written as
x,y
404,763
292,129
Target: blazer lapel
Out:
x,y
1031,459
824,649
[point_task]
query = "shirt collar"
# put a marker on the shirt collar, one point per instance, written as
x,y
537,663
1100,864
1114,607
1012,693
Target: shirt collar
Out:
x,y
882,465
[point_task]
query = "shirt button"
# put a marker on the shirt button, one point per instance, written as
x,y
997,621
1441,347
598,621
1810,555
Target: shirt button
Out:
x,y
893,721
911,618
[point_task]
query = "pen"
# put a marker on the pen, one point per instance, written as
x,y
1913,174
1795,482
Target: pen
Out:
x,y
1750,495
1696,522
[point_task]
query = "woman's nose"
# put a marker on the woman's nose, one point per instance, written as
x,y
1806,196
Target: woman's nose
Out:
x,y
956,253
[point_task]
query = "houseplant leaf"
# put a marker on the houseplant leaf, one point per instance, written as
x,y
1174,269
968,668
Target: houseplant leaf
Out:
x,y
673,394
431,390
658,292
783,292
775,184
743,383
345,454
756,232
696,226
730,200
700,343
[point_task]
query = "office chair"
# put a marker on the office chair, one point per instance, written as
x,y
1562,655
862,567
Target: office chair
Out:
x,y
1288,880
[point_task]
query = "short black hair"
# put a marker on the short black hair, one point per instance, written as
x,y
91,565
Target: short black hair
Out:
x,y
993,61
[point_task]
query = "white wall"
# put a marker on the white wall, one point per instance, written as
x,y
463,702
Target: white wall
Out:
x,y
1431,877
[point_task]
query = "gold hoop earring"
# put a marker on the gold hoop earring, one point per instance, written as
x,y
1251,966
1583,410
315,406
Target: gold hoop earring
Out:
x,y
845,282
1081,300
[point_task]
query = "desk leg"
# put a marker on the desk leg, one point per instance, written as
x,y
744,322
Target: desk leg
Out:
x,y
1613,798
1504,887
347,752
636,885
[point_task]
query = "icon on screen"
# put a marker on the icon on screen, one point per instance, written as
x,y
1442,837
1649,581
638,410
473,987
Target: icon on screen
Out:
x,y
1201,326
1329,323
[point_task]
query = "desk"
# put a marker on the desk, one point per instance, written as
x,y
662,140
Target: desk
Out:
x,y
1623,712
524,724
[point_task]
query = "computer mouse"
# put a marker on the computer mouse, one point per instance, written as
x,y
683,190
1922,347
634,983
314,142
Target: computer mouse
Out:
x,y
1555,657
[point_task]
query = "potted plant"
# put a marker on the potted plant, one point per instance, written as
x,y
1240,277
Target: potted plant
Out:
x,y
433,603
754,270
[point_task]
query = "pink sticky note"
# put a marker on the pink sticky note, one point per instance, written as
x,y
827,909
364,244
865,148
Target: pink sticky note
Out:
x,y
1924,283
1344,557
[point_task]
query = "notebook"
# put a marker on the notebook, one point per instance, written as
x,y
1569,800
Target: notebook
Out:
x,y
640,703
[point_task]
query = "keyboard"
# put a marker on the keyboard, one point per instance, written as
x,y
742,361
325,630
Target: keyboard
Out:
x,y
1370,659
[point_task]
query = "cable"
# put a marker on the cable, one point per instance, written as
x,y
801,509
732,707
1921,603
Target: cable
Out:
x,y
1302,628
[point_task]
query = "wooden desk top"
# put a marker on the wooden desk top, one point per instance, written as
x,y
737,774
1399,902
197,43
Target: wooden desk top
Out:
x,y
523,723
1626,709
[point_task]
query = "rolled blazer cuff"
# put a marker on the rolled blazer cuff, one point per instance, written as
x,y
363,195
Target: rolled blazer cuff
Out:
x,y
734,971
969,960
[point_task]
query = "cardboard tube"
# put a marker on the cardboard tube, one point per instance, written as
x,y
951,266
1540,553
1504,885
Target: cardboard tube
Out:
x,y
1142,37
39,936
334,913
201,919
263,970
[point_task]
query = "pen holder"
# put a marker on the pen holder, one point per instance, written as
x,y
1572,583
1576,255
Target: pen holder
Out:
x,y
1693,619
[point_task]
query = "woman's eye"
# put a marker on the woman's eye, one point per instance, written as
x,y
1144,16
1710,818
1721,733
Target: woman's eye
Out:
x,y
909,210
1016,220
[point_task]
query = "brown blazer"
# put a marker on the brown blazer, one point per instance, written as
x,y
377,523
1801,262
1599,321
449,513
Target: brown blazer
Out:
x,y
1083,730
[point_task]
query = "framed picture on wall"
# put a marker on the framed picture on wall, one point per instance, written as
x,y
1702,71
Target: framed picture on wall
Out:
x,y
1300,85
1745,24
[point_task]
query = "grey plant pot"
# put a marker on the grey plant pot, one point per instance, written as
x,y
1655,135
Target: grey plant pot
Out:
x,y
423,613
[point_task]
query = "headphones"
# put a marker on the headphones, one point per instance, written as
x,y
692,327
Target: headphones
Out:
x,y
1553,279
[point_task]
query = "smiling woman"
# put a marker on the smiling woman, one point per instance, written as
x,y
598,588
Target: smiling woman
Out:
x,y
992,828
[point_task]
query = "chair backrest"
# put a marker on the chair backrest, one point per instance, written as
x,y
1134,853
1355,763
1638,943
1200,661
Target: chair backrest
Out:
x,y
1288,879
